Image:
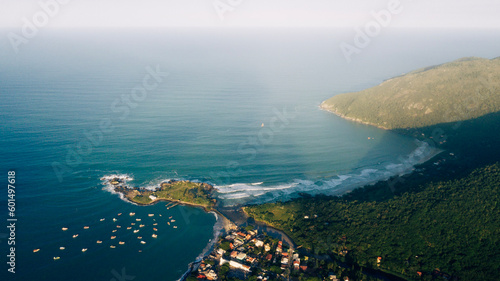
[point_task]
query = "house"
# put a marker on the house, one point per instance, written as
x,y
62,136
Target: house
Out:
x,y
269,257
259,243
251,260
241,256
241,235
238,265
379,259
296,264
306,217
234,254
284,261
231,246
303,268
332,277
285,254
152,197
267,248
221,251
211,275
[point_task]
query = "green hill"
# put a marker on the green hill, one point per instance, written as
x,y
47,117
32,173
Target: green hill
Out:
x,y
452,226
460,90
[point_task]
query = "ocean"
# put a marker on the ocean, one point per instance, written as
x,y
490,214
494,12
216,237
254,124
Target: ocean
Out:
x,y
237,108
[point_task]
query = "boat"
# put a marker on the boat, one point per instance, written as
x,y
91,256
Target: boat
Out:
x,y
137,230
61,248
113,237
112,247
99,242
170,217
132,214
114,230
86,227
172,221
128,228
139,237
84,250
36,250
155,229
151,215
118,226
168,223
143,242
132,223
76,235
142,225
155,223
114,219
102,219
121,243
154,235
175,226
137,219
119,214
57,258
64,228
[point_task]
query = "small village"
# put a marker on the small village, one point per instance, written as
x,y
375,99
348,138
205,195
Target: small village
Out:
x,y
246,254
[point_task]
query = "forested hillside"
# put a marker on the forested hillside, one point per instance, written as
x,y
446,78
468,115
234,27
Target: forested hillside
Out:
x,y
461,90
450,227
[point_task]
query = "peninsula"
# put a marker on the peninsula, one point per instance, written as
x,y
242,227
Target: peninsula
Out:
x,y
182,192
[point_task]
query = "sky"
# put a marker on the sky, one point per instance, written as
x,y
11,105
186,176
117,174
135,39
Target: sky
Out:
x,y
247,13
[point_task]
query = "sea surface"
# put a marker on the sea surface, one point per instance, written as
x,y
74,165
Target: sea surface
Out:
x,y
238,109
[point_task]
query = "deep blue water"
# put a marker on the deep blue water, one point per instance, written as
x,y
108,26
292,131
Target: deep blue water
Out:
x,y
239,109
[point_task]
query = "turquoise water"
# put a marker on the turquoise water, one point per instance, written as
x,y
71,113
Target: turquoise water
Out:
x,y
239,109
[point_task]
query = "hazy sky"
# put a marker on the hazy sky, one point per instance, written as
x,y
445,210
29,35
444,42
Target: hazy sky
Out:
x,y
329,13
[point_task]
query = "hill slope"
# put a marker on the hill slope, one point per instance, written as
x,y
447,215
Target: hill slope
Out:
x,y
461,90
451,225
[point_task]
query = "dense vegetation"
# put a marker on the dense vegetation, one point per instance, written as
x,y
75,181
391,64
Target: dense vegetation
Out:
x,y
184,191
456,91
450,227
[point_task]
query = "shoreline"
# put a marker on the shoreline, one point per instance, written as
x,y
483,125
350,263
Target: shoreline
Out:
x,y
330,109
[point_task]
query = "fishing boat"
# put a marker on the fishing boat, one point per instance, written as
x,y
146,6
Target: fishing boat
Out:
x,y
57,258
132,223
142,225
168,223
64,228
112,247
132,214
61,248
84,250
137,230
121,243
128,228
118,226
139,237
151,215
86,227
113,237
172,221
137,219
115,230
155,223
119,214
36,250
114,219
154,235
143,242
99,242
76,235
175,226
155,229
102,219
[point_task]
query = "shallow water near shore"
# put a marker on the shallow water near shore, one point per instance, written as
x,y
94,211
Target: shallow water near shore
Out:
x,y
239,110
